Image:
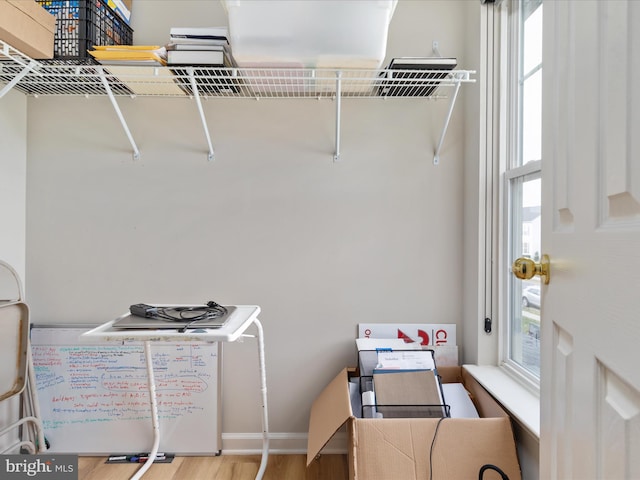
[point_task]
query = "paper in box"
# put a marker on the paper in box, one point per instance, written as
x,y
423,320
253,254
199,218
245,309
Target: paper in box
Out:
x,y
27,27
384,449
439,337
423,333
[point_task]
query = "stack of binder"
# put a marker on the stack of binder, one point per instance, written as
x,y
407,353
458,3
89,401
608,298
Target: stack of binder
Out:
x,y
136,66
203,55
199,46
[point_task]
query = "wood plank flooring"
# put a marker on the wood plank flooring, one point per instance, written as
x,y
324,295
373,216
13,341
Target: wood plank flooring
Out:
x,y
224,467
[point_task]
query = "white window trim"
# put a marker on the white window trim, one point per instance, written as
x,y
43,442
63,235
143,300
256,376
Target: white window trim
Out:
x,y
509,149
517,393
519,373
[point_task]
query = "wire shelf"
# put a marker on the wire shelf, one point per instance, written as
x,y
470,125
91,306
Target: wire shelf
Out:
x,y
86,78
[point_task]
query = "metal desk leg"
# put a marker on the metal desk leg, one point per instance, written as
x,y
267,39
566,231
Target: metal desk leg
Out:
x,y
265,413
154,413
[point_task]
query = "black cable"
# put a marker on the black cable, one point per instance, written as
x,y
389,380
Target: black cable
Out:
x,y
433,442
485,467
210,311
179,314
489,466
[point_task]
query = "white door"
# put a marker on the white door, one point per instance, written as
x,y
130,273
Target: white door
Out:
x,y
590,368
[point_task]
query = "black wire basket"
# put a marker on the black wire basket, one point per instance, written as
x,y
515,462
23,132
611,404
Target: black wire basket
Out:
x,y
81,24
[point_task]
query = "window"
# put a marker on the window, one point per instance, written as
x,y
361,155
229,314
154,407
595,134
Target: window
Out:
x,y
522,186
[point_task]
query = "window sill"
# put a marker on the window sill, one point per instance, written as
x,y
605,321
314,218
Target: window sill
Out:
x,y
520,403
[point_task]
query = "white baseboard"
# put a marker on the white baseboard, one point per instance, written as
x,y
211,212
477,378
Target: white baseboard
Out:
x,y
279,443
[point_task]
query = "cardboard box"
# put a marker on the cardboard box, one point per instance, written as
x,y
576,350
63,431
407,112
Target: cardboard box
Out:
x,y
411,448
27,27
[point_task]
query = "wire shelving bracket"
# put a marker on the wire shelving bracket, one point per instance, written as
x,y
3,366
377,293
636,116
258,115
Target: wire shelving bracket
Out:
x,y
52,78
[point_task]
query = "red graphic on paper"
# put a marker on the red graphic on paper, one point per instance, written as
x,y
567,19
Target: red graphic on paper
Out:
x,y
405,337
424,336
441,337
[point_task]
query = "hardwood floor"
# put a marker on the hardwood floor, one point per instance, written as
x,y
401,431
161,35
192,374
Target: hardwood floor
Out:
x,y
224,467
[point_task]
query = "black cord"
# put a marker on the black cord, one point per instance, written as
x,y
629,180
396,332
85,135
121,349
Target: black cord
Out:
x,y
489,466
433,442
210,311
179,314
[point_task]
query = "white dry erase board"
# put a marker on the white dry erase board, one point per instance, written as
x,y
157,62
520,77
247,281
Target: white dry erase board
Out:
x,y
94,396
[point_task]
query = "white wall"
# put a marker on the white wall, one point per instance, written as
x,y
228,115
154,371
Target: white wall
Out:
x,y
320,246
474,166
13,183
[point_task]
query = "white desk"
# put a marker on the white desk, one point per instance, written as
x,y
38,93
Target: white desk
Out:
x,y
240,320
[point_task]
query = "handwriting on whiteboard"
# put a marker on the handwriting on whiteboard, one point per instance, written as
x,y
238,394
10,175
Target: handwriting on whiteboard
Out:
x,y
89,383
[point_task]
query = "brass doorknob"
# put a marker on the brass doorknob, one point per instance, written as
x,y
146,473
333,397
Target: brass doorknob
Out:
x,y
525,268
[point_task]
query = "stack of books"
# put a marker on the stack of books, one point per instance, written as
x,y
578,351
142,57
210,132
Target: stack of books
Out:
x,y
202,54
199,46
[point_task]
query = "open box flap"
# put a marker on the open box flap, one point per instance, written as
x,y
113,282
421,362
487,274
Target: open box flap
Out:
x,y
330,410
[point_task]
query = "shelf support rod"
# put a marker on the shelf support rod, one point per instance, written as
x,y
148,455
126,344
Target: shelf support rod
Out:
x,y
336,155
452,102
196,95
17,78
107,87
